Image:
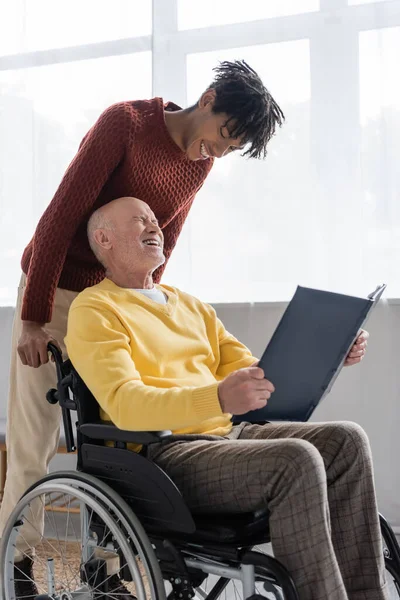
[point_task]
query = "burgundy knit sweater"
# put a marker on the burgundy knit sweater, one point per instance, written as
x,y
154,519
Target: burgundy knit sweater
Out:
x,y
128,152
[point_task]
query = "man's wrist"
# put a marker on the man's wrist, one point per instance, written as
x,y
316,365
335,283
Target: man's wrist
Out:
x,y
32,325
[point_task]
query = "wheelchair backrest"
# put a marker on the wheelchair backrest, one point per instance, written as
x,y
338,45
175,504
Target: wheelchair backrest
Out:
x,y
86,404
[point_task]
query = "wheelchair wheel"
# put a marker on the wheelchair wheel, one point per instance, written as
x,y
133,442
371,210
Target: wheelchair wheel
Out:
x,y
393,581
267,586
92,546
273,591
391,552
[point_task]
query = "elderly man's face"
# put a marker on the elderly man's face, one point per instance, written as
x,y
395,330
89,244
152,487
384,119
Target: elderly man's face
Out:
x,y
136,236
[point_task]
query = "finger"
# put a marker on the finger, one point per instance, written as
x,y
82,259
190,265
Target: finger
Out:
x,y
269,386
358,347
353,361
35,360
255,372
261,399
260,403
262,387
363,337
362,344
29,357
356,352
43,354
22,357
32,358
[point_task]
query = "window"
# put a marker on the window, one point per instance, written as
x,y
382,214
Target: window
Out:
x,y
45,24
245,205
323,208
44,113
193,15
352,2
380,150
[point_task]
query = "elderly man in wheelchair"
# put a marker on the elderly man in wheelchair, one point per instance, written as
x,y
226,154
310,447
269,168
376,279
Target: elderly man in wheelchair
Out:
x,y
171,499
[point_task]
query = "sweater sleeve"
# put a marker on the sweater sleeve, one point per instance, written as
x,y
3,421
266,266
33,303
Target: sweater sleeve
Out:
x,y
233,354
100,152
98,346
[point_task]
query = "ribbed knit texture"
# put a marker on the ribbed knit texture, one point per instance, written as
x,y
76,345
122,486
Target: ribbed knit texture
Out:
x,y
153,366
128,152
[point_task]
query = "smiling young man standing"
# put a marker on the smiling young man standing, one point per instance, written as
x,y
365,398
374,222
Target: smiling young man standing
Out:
x,y
157,152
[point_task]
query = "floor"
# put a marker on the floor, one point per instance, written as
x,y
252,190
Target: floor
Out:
x,y
68,526
63,523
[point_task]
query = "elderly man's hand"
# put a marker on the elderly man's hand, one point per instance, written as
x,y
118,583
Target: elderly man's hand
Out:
x,y
32,345
244,390
358,350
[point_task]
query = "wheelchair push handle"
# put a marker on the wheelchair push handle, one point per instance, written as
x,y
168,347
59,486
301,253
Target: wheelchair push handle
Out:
x,y
61,395
56,353
53,394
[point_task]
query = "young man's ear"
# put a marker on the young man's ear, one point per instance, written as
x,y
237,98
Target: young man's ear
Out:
x,y
207,99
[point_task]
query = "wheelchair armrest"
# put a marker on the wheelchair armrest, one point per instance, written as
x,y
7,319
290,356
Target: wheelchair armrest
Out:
x,y
107,431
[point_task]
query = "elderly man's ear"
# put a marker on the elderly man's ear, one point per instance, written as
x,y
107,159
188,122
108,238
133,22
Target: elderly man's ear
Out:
x,y
102,238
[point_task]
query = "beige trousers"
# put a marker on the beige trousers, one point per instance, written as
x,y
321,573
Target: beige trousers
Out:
x,y
33,425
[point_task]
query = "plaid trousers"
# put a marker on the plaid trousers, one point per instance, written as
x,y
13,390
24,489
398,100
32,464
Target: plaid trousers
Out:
x,y
316,480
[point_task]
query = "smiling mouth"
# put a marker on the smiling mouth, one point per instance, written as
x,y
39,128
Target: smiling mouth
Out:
x,y
152,242
203,151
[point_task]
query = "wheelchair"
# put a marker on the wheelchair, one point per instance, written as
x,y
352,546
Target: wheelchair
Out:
x,y
120,515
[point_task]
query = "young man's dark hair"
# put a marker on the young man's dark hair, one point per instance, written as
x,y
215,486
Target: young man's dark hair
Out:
x,y
253,112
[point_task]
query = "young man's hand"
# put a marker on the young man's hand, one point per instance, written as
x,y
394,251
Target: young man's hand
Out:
x,y
32,345
244,390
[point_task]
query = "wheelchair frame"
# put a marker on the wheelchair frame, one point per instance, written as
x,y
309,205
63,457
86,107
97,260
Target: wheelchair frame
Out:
x,y
186,547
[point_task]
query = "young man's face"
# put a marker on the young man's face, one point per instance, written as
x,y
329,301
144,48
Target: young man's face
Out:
x,y
209,136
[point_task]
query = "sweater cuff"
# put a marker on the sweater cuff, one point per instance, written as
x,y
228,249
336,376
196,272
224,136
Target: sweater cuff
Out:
x,y
206,402
39,314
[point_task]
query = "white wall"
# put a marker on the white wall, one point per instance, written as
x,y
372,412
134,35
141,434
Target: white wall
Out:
x,y
368,393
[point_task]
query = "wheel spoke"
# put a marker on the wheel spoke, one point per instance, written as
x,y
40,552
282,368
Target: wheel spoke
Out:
x,y
61,542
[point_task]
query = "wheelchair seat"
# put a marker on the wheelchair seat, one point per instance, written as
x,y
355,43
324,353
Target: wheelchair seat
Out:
x,y
249,529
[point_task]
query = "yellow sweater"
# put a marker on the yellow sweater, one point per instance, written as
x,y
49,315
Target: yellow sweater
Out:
x,y
153,366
